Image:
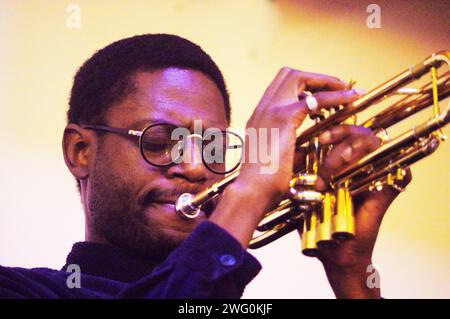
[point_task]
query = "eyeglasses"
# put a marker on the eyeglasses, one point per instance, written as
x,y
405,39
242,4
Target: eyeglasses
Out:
x,y
161,145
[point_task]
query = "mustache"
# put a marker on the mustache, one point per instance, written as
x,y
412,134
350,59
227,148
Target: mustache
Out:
x,y
157,195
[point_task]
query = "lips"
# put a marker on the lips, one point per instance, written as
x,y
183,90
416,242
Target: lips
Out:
x,y
167,206
169,209
167,200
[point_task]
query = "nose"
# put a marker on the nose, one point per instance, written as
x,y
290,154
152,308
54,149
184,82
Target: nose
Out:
x,y
191,168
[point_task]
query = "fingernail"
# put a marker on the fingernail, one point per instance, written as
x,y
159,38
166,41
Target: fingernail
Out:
x,y
320,185
347,154
325,137
360,91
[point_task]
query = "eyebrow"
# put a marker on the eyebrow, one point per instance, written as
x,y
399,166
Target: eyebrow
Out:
x,y
142,123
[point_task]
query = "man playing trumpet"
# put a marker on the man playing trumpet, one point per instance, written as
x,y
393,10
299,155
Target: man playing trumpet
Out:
x,y
125,101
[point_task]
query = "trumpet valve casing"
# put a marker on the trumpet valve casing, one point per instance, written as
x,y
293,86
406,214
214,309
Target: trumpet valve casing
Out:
x,y
343,219
302,191
309,239
324,228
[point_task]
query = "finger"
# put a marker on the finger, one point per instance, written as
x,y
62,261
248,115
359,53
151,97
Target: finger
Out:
x,y
276,82
325,100
276,88
312,82
290,83
348,151
338,133
320,82
335,98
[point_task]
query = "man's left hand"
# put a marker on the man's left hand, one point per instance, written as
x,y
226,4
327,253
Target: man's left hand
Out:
x,y
347,264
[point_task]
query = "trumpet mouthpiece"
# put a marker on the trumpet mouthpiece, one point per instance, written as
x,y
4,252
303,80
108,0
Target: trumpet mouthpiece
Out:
x,y
185,208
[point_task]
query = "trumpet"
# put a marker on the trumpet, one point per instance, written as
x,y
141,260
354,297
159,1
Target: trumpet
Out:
x,y
327,218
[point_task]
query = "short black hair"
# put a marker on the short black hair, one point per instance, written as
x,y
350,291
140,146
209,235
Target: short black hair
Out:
x,y
107,77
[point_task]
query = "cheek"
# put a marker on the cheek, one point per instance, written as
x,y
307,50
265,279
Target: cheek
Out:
x,y
124,160
128,163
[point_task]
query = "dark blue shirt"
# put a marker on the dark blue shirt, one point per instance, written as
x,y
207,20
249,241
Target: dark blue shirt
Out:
x,y
210,263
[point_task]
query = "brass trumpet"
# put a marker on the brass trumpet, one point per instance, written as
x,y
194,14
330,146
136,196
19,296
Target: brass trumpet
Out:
x,y
328,218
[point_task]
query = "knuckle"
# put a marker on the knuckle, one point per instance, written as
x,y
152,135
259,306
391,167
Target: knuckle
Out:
x,y
358,143
344,130
296,72
322,96
277,113
335,78
349,93
338,130
272,112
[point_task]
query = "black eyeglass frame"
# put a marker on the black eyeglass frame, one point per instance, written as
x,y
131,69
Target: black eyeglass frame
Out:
x,y
139,134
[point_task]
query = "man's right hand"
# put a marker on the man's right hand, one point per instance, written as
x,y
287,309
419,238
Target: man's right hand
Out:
x,y
244,203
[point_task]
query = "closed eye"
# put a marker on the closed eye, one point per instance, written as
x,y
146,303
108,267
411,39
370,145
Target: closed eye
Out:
x,y
155,147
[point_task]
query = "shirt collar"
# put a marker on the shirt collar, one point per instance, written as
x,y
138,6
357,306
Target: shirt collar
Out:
x,y
109,262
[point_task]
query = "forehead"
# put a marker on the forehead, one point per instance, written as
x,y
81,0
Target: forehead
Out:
x,y
174,95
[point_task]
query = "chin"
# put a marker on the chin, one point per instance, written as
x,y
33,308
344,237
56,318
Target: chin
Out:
x,y
176,236
164,218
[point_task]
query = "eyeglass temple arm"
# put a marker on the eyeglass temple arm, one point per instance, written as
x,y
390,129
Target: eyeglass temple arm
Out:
x,y
122,131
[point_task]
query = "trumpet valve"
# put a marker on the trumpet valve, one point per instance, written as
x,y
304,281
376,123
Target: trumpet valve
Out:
x,y
301,189
303,180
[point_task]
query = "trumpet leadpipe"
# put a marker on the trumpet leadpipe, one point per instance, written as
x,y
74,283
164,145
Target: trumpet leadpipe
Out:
x,y
188,205
295,222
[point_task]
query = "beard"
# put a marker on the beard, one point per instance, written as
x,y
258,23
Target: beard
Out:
x,y
122,221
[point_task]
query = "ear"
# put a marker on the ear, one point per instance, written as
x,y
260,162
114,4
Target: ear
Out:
x,y
78,148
